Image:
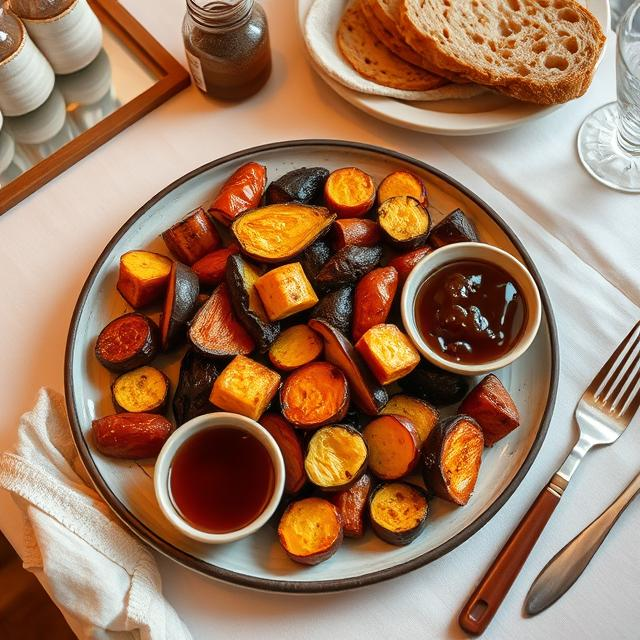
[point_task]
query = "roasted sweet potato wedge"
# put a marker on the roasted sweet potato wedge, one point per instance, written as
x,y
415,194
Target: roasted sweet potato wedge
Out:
x,y
373,299
421,414
352,505
310,530
131,435
143,390
440,388
211,268
197,375
314,258
394,447
490,404
130,341
349,192
368,395
314,395
402,183
336,457
398,512
300,185
360,232
180,303
143,277
193,237
452,455
456,227
404,263
336,308
215,329
295,347
347,266
405,223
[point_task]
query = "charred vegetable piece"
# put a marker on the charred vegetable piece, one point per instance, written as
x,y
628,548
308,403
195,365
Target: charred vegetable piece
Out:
x,y
405,262
143,390
287,440
336,457
452,455
211,268
434,385
193,237
130,341
402,183
180,303
241,192
295,347
350,192
215,329
336,308
241,280
398,512
285,290
394,447
351,504
355,231
314,395
373,299
301,185
456,227
490,404
191,399
405,223
310,530
143,277
369,396
388,352
131,435
421,414
279,232
245,387
347,266
314,258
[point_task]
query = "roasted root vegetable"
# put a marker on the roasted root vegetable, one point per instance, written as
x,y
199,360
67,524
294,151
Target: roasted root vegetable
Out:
x,y
279,232
180,303
404,263
193,237
388,352
143,277
143,390
310,530
347,266
394,446
216,331
130,341
245,387
398,512
336,308
368,395
285,290
405,223
490,404
314,395
302,185
350,192
241,279
241,192
191,398
131,435
314,258
402,183
289,444
211,268
373,299
451,458
434,385
352,504
421,414
456,227
295,347
355,231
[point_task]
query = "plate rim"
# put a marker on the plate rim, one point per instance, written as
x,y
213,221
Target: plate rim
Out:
x,y
148,536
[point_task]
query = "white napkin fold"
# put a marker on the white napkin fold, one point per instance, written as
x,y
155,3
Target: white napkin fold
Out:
x,y
92,567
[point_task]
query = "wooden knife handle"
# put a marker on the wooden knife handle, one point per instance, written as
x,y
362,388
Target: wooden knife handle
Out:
x,y
483,604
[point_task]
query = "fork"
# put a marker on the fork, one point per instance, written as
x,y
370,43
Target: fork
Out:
x,y
603,413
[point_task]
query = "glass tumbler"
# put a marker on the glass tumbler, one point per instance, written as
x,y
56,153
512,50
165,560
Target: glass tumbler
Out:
x,y
609,138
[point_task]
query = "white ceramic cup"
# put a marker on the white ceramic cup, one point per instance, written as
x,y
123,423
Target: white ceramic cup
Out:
x,y
471,251
179,437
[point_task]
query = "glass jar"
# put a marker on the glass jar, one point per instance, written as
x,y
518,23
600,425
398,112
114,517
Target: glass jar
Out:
x,y
227,47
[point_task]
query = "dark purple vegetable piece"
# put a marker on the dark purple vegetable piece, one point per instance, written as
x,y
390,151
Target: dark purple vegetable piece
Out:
x,y
336,308
191,399
302,185
314,258
456,227
434,385
347,266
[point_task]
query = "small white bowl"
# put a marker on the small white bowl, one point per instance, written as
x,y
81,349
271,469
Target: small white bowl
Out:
x,y
471,251
179,437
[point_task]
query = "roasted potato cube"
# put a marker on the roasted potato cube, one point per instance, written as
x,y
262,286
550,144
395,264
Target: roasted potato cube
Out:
x,y
143,277
193,237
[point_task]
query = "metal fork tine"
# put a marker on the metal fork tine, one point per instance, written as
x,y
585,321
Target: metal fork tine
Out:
x,y
634,403
614,398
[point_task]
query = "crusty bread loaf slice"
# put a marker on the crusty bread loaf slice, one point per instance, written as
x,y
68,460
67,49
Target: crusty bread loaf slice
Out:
x,y
542,51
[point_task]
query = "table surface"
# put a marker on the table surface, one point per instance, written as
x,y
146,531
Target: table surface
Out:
x,y
582,236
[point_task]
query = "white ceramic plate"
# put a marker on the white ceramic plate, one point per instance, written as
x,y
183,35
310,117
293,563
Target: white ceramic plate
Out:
x,y
258,561
486,113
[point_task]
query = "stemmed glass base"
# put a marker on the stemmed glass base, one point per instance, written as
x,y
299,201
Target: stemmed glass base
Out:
x,y
602,155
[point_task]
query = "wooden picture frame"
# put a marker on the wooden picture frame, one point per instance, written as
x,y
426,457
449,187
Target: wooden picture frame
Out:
x,y
172,78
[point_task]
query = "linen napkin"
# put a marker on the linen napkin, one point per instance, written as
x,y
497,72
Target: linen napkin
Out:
x,y
92,567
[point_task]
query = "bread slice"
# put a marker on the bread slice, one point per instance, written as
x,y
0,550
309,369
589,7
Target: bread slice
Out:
x,y
371,59
542,51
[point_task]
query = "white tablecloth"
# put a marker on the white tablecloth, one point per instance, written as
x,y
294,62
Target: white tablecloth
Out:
x,y
582,236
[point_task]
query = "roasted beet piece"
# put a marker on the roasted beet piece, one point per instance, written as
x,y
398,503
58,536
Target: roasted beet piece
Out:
x,y
456,227
301,185
314,258
180,303
197,375
336,308
347,266
434,385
